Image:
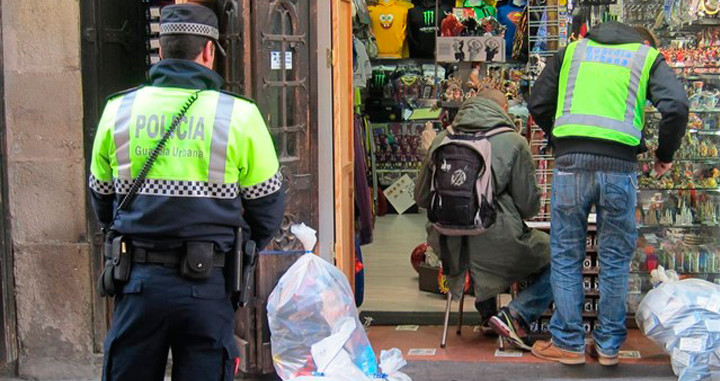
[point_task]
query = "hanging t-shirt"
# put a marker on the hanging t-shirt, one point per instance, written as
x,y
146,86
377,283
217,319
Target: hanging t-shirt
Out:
x,y
510,15
362,69
482,9
389,24
421,29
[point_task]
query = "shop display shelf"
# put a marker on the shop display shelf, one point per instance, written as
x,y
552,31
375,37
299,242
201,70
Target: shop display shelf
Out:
x,y
448,104
411,170
678,189
700,160
675,226
402,61
695,111
700,76
703,131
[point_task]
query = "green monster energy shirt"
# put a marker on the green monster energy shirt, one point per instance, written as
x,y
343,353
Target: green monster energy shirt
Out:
x,y
421,29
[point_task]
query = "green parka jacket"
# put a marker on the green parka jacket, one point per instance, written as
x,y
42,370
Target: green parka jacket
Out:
x,y
509,251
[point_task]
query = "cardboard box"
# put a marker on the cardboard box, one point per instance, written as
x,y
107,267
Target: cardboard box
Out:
x,y
428,279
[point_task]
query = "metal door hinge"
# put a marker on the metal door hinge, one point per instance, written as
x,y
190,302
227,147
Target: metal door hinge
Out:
x,y
90,35
330,56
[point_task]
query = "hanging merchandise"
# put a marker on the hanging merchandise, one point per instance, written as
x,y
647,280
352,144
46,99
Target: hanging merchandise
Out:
x,y
451,26
469,40
362,28
422,30
362,68
389,24
481,8
638,12
520,43
510,16
542,35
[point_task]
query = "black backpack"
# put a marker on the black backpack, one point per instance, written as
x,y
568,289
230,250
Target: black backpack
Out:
x,y
461,194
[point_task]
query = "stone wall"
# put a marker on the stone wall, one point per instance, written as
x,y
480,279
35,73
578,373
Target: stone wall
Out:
x,y
46,181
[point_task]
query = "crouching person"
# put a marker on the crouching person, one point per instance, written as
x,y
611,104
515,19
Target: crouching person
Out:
x,y
476,215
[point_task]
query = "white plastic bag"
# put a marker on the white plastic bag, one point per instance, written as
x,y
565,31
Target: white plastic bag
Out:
x,y
684,318
342,369
313,304
390,363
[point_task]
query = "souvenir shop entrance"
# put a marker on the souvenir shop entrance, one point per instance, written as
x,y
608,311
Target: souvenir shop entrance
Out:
x,y
414,64
408,89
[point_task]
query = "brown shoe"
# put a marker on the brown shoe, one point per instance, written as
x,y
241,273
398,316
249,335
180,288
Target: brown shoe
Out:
x,y
546,350
604,360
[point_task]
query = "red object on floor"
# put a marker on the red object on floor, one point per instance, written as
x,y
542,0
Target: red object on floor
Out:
x,y
473,347
417,257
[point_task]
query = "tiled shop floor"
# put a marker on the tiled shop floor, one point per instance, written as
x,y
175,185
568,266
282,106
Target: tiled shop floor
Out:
x,y
473,347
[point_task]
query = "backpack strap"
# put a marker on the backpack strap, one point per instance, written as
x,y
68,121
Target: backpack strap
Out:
x,y
482,134
498,131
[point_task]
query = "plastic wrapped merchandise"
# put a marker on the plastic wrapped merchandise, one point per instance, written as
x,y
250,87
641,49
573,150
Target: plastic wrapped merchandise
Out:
x,y
313,304
684,318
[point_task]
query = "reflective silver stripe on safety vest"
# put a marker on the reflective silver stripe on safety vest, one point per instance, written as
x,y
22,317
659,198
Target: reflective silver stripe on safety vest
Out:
x,y
179,188
599,122
626,126
221,132
636,72
577,59
121,133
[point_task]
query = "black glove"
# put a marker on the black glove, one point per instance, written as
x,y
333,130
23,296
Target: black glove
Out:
x,y
106,284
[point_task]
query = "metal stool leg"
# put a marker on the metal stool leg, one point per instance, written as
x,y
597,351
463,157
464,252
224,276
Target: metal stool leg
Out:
x,y
447,320
460,318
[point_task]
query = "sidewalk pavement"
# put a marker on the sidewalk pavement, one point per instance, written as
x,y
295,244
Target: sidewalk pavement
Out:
x,y
486,371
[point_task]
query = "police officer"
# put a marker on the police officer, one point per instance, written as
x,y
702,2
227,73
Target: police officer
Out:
x,y
591,102
217,172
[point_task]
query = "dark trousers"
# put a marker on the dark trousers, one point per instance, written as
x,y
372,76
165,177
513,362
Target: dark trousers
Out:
x,y
157,312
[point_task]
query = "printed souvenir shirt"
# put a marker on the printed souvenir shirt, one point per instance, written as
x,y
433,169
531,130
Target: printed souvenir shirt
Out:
x,y
510,15
389,24
422,31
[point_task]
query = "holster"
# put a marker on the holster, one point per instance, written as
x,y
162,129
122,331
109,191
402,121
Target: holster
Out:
x,y
234,270
250,264
118,263
121,259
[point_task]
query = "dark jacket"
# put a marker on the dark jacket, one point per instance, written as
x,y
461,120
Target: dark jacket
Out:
x,y
509,250
164,221
665,92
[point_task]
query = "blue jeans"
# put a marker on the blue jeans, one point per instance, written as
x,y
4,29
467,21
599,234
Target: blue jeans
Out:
x,y
614,196
531,302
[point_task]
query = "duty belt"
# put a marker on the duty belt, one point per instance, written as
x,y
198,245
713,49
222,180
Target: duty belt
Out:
x,y
170,258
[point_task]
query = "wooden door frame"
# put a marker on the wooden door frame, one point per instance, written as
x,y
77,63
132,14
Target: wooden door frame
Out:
x,y
342,90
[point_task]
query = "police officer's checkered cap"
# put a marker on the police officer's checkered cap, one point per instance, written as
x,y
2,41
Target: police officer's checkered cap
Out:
x,y
189,19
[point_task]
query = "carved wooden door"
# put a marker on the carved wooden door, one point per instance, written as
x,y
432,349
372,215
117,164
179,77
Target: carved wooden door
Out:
x,y
284,89
280,62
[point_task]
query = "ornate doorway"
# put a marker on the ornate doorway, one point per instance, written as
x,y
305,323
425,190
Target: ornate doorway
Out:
x,y
285,90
